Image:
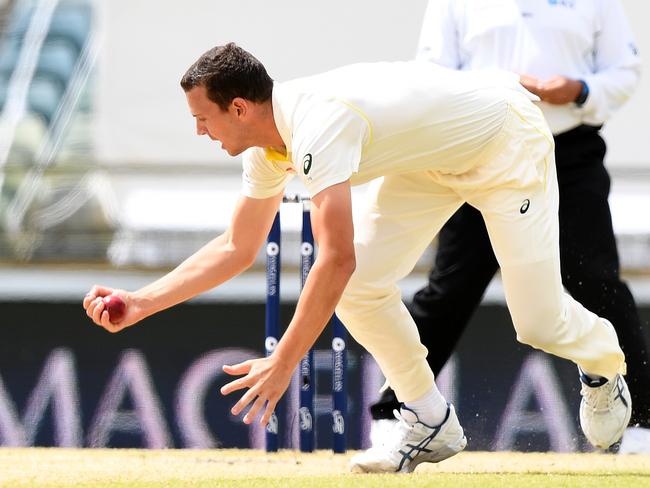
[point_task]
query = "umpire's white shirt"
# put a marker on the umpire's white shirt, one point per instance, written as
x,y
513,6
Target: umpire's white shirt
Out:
x,y
580,39
364,121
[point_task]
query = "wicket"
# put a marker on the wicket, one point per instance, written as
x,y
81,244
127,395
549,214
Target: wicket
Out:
x,y
307,379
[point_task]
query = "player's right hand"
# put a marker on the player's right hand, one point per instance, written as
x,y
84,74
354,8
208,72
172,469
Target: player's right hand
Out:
x,y
95,308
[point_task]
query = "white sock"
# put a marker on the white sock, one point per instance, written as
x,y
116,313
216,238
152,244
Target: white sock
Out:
x,y
431,408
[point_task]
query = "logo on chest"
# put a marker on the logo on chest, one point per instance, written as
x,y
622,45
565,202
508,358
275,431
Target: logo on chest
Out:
x,y
306,164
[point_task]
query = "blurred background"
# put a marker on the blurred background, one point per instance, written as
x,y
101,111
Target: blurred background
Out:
x,y
103,180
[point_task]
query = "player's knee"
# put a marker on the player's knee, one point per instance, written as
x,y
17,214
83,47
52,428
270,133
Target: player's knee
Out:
x,y
539,329
533,338
362,288
350,304
353,304
360,304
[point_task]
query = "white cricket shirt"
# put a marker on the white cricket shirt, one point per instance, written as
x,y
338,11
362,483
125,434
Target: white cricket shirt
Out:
x,y
579,39
364,121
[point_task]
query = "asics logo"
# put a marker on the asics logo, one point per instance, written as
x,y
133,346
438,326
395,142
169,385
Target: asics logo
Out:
x,y
524,206
416,449
619,391
306,164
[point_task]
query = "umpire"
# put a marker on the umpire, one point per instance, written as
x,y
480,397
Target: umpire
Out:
x,y
579,57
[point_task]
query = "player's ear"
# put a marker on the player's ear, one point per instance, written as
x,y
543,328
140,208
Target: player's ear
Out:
x,y
239,106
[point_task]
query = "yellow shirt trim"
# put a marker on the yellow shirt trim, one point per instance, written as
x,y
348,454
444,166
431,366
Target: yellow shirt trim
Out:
x,y
275,155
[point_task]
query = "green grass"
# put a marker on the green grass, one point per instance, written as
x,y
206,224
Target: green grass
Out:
x,y
85,468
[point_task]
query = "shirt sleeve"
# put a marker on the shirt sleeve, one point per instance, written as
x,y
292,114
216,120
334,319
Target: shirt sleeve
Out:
x,y
328,143
617,65
439,36
261,178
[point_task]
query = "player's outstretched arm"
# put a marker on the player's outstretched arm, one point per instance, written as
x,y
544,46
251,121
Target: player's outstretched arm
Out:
x,y
268,378
216,262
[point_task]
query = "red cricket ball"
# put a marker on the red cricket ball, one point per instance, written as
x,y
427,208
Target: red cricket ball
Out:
x,y
115,307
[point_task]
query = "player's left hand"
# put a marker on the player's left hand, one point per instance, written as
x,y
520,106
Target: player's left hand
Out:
x,y
266,379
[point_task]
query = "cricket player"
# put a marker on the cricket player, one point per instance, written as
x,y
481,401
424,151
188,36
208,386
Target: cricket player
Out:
x,y
429,139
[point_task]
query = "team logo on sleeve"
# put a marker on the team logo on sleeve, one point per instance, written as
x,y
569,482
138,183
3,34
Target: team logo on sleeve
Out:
x,y
306,164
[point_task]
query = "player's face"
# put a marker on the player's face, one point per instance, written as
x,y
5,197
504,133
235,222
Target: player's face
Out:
x,y
219,125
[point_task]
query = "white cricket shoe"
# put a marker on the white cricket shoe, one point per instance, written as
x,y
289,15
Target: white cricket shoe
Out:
x,y
605,410
411,443
381,430
636,440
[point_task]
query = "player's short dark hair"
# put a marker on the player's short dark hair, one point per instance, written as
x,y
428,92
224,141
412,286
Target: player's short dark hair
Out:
x,y
228,72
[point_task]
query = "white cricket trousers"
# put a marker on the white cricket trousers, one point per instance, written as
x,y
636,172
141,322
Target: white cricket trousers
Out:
x,y
515,189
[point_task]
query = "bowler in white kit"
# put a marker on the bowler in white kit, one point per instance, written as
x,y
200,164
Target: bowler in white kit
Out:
x,y
429,139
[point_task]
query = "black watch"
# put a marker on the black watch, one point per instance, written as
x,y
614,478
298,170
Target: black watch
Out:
x,y
584,93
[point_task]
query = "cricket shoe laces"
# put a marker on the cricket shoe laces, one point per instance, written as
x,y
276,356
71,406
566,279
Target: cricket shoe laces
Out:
x,y
412,442
605,410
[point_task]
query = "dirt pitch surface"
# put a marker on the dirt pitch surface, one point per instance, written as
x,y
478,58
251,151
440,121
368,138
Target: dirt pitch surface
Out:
x,y
75,468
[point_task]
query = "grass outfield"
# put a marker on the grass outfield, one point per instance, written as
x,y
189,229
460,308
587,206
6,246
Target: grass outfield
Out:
x,y
132,468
